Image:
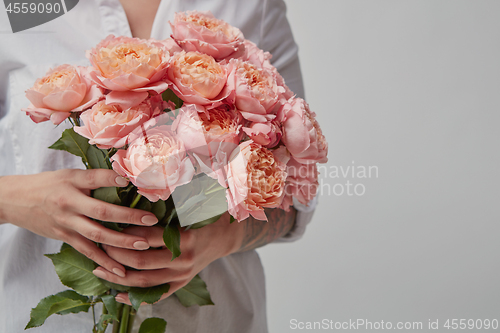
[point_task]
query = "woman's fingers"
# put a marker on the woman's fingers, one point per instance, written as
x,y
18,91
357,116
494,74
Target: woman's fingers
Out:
x,y
95,178
154,235
91,251
142,279
100,234
151,259
104,211
174,286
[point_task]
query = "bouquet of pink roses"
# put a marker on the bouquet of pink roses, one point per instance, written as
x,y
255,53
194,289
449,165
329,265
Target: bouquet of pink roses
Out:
x,y
200,124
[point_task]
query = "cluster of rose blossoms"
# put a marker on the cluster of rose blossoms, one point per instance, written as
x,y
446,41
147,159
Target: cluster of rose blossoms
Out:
x,y
239,122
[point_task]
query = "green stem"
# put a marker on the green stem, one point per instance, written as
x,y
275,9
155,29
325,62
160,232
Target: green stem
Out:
x,y
124,319
136,200
116,324
104,311
93,311
131,320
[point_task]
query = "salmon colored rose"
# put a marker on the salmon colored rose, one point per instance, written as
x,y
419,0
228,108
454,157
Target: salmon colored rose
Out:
x,y
301,183
156,163
254,55
302,134
202,32
256,90
171,46
203,130
266,134
108,126
62,90
129,67
256,179
197,79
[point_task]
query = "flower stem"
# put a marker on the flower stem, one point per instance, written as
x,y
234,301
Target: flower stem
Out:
x,y
104,326
124,319
136,200
131,320
93,310
116,323
116,326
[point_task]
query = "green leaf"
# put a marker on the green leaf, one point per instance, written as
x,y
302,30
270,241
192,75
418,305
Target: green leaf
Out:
x,y
73,295
148,295
169,95
75,271
206,222
62,303
126,193
73,143
144,204
104,321
195,292
172,240
231,219
107,194
153,325
159,209
97,158
169,216
111,305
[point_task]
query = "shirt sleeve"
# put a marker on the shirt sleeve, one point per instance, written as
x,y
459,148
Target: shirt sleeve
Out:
x,y
277,38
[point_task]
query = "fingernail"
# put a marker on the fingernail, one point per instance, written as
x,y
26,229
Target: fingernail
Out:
x,y
149,219
99,273
120,299
141,245
120,181
119,272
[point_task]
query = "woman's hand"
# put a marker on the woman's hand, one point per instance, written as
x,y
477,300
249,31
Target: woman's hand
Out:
x,y
58,205
199,247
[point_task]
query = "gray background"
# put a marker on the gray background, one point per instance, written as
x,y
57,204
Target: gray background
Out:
x,y
411,87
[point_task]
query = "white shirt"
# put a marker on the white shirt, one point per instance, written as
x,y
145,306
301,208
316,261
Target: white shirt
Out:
x,y
236,282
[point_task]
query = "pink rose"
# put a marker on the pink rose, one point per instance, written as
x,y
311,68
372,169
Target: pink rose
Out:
x,y
256,179
129,67
302,134
197,79
254,55
301,183
266,134
203,130
171,46
202,32
109,126
156,163
256,90
62,90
